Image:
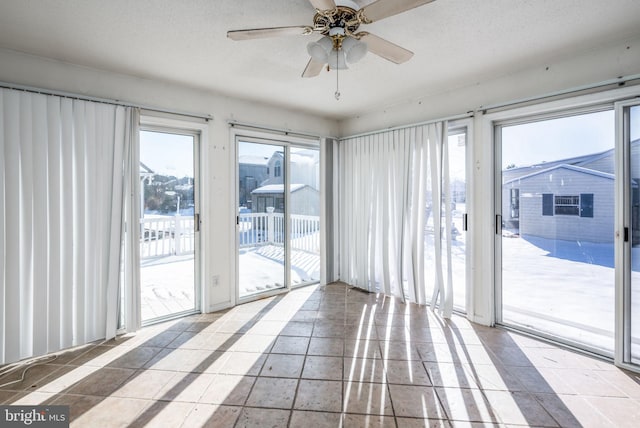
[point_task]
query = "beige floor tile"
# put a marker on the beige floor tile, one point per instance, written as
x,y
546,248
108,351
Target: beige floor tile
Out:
x,y
143,384
572,411
253,343
283,365
162,414
212,416
78,404
183,360
622,412
495,377
243,363
406,372
273,393
112,412
319,395
34,398
449,375
297,328
159,339
290,345
369,421
185,387
625,381
519,408
439,353
320,367
32,378
305,419
328,346
362,348
228,389
367,398
260,418
364,370
466,405
134,358
423,423
416,402
328,328
102,382
588,383
392,350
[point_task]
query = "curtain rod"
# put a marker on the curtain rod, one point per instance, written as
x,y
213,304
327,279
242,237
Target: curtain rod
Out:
x,y
412,125
236,124
578,90
74,96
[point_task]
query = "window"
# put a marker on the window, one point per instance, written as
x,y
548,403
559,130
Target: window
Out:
x,y
567,205
515,203
277,169
547,204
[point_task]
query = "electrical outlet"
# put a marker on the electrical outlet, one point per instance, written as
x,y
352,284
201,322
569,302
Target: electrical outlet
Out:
x,y
215,280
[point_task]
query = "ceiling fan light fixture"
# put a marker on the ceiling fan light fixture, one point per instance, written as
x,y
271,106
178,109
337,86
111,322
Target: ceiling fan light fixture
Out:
x,y
337,60
354,49
320,50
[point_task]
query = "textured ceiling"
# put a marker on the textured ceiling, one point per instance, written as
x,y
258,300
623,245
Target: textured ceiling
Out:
x,y
456,43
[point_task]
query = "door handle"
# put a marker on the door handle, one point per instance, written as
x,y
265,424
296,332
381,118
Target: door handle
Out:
x,y
196,222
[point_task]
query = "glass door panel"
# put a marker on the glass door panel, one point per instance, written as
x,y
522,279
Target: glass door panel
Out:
x,y
261,218
557,228
632,135
457,153
168,200
304,215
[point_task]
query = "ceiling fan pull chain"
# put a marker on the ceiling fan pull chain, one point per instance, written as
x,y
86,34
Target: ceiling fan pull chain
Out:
x,y
337,94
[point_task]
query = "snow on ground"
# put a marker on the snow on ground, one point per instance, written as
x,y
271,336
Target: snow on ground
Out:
x,y
262,268
563,288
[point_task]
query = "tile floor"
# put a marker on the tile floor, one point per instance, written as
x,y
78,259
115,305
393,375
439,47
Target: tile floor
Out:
x,y
330,357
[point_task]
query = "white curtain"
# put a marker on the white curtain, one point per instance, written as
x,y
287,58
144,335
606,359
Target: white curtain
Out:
x,y
395,214
62,165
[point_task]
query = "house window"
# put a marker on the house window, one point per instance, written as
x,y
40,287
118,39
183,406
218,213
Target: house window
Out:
x,y
547,204
567,205
515,203
277,169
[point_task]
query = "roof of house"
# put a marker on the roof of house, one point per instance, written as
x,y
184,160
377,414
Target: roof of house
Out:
x,y
277,188
253,160
579,169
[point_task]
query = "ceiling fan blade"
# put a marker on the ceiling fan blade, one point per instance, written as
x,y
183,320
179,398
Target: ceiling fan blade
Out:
x,y
260,33
323,4
386,49
385,8
313,68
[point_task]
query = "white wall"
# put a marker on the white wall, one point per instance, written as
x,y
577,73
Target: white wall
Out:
x,y
218,225
609,62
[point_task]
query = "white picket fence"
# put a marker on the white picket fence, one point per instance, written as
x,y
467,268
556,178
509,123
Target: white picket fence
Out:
x,y
166,236
257,229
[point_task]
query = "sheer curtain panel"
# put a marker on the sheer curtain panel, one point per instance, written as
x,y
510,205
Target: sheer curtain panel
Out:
x,y
395,217
62,170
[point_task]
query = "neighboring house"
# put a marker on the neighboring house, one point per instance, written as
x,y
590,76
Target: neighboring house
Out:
x,y
304,168
252,172
304,199
569,199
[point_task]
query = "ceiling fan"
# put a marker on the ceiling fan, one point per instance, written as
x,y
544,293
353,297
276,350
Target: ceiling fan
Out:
x,y
339,21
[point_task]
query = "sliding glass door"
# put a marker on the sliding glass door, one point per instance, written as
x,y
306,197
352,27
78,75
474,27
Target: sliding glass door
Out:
x,y
168,224
260,220
304,215
630,295
278,219
555,223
